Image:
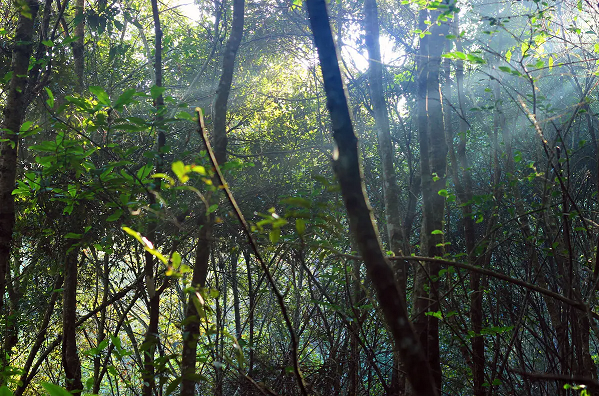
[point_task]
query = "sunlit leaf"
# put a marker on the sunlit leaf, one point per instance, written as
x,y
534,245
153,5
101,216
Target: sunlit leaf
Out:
x,y
100,94
55,390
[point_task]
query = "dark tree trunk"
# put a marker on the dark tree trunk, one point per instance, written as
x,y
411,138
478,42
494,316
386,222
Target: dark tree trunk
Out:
x,y
152,339
252,302
70,355
347,167
226,79
98,367
235,291
385,147
463,185
13,112
433,164
78,44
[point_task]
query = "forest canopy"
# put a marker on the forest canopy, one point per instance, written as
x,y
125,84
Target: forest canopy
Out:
x,y
286,197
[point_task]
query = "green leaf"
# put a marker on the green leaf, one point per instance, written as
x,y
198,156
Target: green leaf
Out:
x,y
80,103
89,383
48,43
300,226
156,91
437,232
50,100
212,208
178,168
125,98
443,193
144,171
183,115
297,201
69,40
517,156
4,391
274,235
26,126
102,345
476,59
198,169
48,146
173,385
100,94
115,216
436,314
55,390
176,259
72,235
458,54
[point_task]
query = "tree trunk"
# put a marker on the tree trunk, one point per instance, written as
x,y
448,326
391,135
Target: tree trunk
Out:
x,y
354,345
11,337
78,44
105,276
347,168
70,355
13,112
226,79
433,164
152,339
252,302
463,184
235,291
386,152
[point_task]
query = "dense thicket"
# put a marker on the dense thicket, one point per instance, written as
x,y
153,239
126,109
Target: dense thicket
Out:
x,y
182,210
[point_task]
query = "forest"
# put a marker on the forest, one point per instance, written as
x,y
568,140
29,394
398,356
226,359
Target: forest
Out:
x,y
287,197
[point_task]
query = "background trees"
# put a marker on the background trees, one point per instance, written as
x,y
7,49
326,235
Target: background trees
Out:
x,y
477,131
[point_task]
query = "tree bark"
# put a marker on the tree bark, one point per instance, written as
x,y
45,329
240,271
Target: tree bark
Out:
x,y
152,339
70,355
391,191
463,185
433,164
78,44
252,301
226,80
98,367
14,113
347,168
